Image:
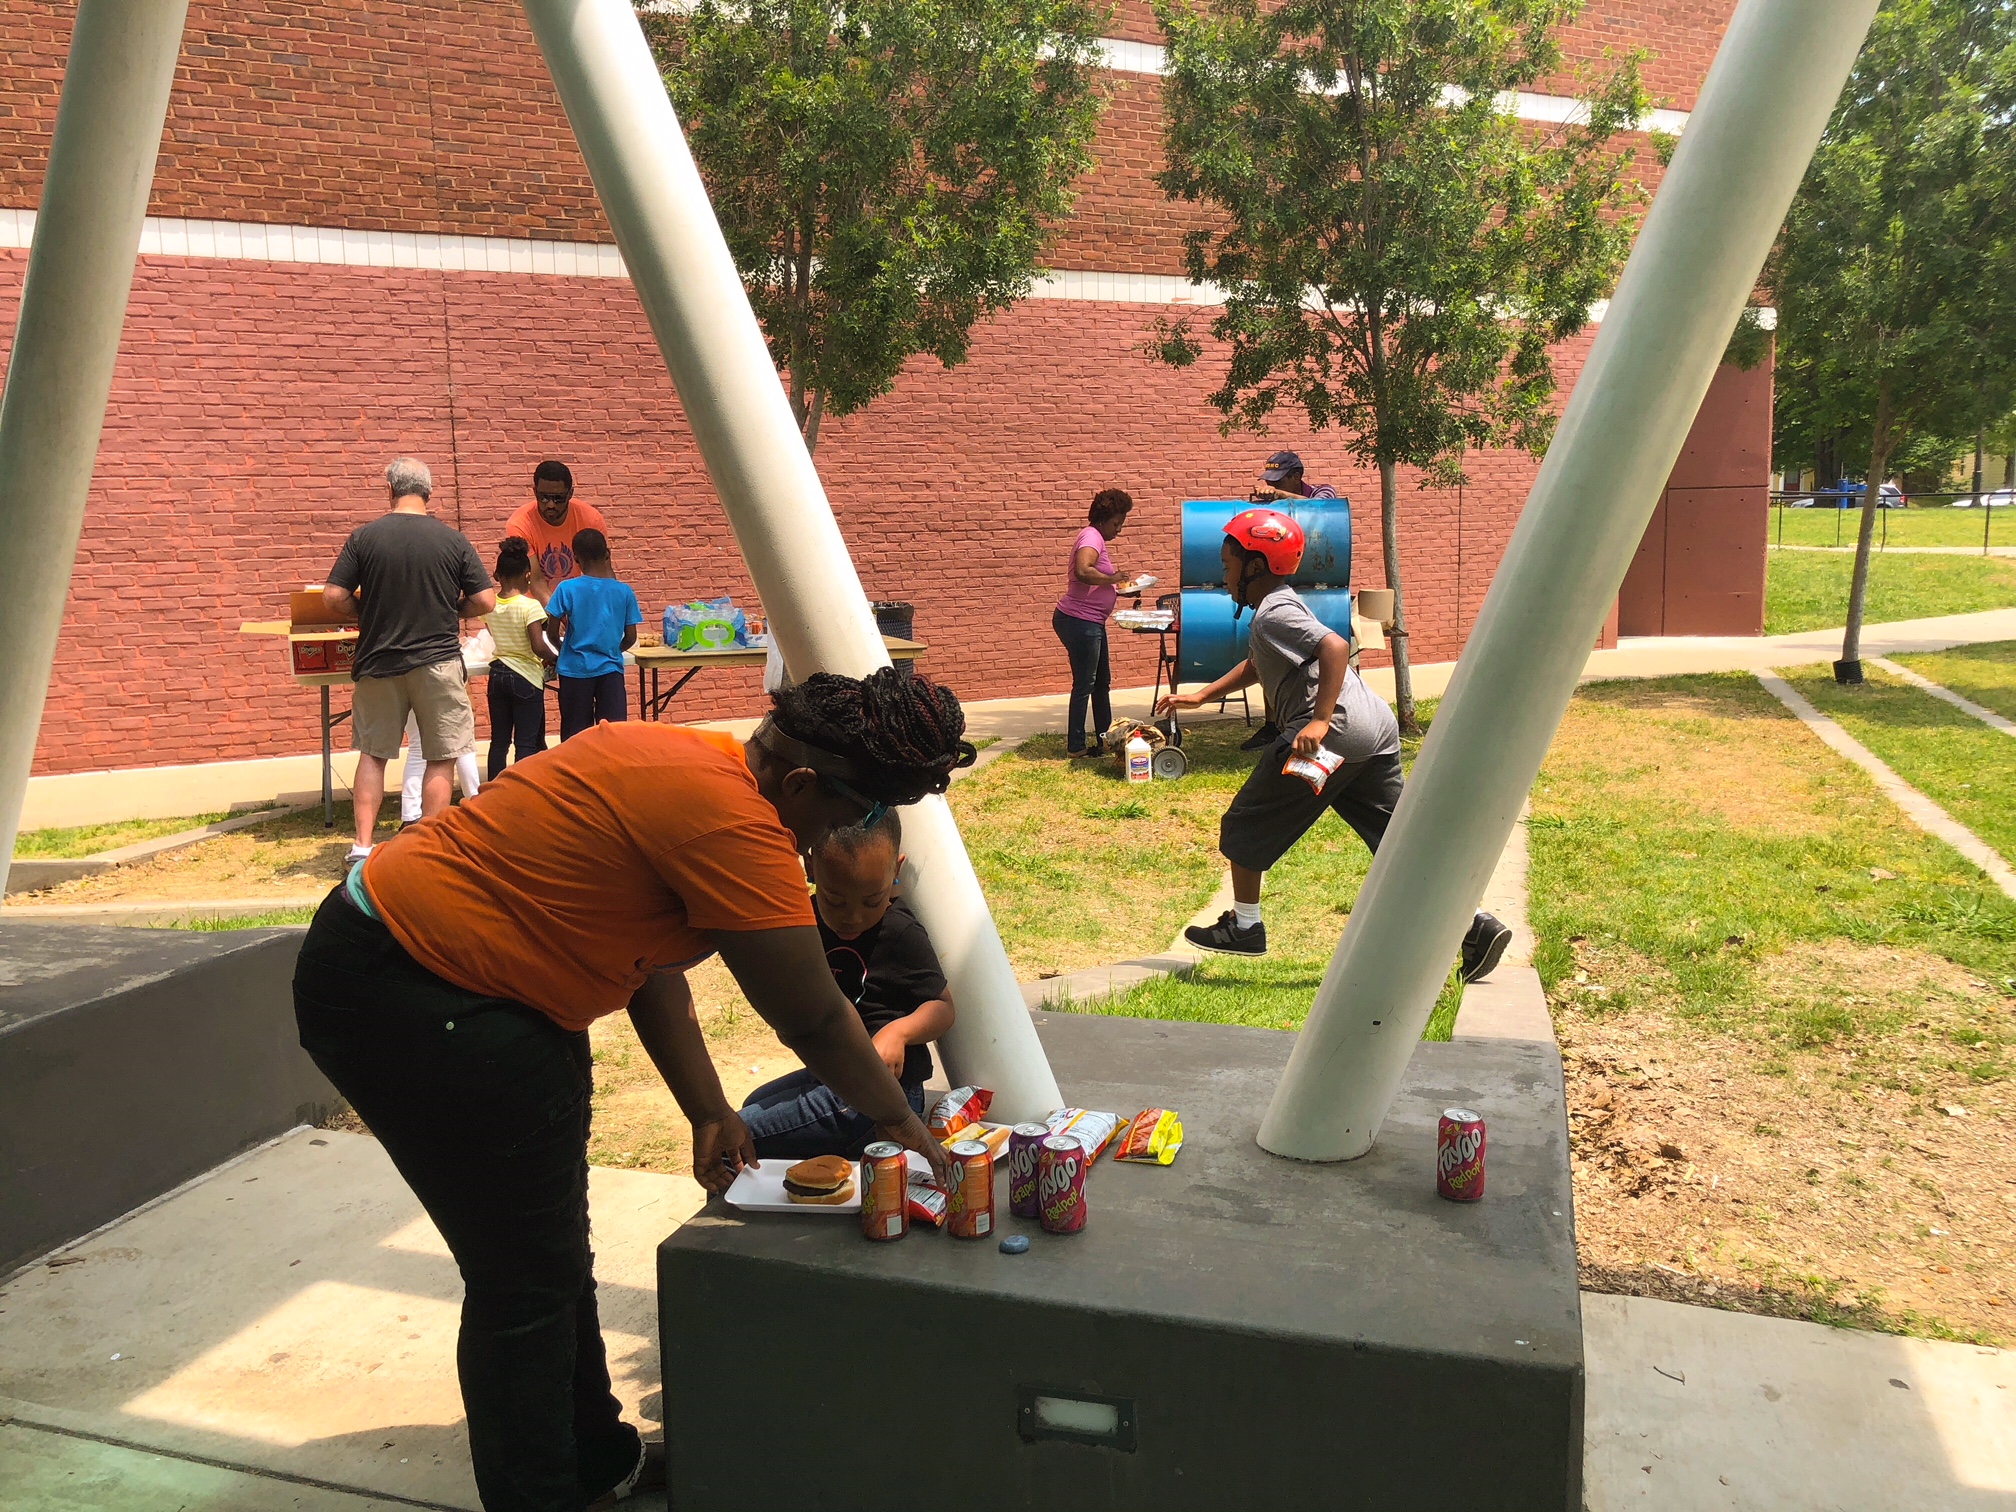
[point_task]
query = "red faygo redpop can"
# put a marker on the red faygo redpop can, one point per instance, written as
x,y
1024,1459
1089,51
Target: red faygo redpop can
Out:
x,y
1060,1184
969,1212
885,1181
1022,1142
1459,1156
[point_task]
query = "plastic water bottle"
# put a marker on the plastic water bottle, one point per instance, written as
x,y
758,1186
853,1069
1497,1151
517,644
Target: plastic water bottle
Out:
x,y
1140,759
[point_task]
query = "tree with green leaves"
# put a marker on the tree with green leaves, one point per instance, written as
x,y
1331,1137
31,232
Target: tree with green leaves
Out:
x,y
886,172
1895,274
1397,251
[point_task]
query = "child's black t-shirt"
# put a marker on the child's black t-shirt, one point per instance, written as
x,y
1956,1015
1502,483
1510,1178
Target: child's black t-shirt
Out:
x,y
886,973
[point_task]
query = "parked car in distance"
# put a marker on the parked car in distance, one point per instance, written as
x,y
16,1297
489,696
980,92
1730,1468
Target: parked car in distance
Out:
x,y
1847,494
2001,498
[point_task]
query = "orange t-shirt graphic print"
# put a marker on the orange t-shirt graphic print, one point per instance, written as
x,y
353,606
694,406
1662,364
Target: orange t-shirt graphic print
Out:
x,y
553,545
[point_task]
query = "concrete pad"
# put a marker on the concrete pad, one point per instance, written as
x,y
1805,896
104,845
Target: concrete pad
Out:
x,y
1508,1004
297,1314
1691,1409
53,1472
1274,1333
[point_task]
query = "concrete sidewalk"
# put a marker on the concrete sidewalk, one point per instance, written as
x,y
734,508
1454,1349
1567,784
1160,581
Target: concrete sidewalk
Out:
x,y
166,792
282,1335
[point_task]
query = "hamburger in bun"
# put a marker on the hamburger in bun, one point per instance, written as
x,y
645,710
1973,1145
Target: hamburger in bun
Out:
x,y
822,1181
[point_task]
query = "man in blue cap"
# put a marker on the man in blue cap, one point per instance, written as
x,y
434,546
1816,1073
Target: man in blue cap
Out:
x,y
1283,479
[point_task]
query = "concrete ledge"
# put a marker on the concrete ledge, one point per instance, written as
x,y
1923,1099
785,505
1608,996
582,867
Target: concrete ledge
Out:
x,y
1100,984
1507,1005
27,874
130,1062
163,915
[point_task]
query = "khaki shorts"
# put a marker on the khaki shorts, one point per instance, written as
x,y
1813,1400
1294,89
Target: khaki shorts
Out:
x,y
437,695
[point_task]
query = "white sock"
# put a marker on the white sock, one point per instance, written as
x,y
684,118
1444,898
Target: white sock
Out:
x,y
1248,914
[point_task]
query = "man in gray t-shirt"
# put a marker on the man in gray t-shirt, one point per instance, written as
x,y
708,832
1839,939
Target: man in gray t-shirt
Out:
x,y
1320,705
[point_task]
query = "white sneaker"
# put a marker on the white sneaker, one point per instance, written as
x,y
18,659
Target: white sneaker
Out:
x,y
357,853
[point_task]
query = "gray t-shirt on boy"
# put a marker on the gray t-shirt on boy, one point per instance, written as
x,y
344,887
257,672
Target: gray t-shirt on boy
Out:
x,y
1283,650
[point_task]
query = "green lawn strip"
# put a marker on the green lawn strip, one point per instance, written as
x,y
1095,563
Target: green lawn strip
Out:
x,y
1934,526
1961,764
90,839
1985,673
1082,869
1632,863
1808,590
276,919
1309,895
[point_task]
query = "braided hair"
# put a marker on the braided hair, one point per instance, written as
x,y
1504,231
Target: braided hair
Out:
x,y
901,734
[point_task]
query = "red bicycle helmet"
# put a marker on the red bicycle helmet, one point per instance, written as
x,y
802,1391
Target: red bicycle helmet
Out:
x,y
1272,535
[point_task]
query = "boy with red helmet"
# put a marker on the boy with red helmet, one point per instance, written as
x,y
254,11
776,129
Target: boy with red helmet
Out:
x,y
1303,669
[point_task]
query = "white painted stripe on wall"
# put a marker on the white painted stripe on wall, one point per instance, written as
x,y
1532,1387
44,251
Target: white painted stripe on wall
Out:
x,y
244,241
1152,58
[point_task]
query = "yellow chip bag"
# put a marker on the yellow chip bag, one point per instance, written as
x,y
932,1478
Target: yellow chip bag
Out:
x,y
1152,1138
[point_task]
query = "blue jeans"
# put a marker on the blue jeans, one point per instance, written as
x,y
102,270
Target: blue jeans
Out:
x,y
1091,676
798,1116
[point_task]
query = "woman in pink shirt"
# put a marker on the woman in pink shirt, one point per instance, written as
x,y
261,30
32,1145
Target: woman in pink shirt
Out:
x,y
1080,620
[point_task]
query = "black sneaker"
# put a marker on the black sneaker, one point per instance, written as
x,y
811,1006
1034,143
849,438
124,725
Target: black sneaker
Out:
x,y
1227,937
1484,946
1261,738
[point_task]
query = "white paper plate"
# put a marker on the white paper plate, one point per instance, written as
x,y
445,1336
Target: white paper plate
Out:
x,y
760,1188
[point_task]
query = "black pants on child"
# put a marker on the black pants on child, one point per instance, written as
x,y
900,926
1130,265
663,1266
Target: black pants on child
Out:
x,y
517,714
482,1105
1274,810
1091,676
586,701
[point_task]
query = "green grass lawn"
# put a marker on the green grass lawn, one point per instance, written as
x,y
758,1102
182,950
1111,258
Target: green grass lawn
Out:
x,y
1932,526
1808,590
1966,767
1061,878
1986,673
90,839
1686,823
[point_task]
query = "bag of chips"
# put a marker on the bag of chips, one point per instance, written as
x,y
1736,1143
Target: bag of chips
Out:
x,y
959,1109
1092,1130
1152,1137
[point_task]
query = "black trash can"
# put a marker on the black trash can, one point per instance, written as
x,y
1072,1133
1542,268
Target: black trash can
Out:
x,y
898,620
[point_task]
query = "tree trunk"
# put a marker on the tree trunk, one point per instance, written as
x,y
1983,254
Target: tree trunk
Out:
x,y
1389,540
810,422
1849,668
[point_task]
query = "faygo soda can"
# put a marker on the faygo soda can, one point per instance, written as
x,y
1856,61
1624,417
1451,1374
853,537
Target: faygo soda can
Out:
x,y
970,1213
1459,1156
1060,1184
1022,1142
885,1181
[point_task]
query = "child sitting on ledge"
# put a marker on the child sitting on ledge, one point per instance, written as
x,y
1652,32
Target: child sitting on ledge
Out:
x,y
883,961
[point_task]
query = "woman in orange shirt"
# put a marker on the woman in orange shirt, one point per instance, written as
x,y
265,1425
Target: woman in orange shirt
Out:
x,y
446,988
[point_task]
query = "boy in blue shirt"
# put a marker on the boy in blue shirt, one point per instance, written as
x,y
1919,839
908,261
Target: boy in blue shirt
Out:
x,y
598,620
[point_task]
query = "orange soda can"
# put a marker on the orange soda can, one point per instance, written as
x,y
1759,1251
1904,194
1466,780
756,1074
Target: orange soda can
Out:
x,y
885,1183
970,1214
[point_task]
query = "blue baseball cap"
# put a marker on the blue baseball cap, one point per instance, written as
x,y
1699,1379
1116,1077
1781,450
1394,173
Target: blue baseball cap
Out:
x,y
1280,465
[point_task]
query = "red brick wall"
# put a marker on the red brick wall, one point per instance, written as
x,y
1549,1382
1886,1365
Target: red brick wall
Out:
x,y
254,406
416,117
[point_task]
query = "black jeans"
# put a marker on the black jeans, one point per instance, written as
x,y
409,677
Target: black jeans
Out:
x,y
1091,676
517,713
483,1106
586,700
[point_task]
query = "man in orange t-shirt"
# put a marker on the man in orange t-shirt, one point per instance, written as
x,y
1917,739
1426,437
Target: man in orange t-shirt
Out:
x,y
550,523
445,989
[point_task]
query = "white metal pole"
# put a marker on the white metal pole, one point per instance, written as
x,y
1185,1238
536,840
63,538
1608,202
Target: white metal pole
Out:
x,y
1744,150
693,296
59,373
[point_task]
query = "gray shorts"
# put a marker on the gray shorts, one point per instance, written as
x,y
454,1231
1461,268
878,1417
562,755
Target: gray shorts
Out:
x,y
1274,810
